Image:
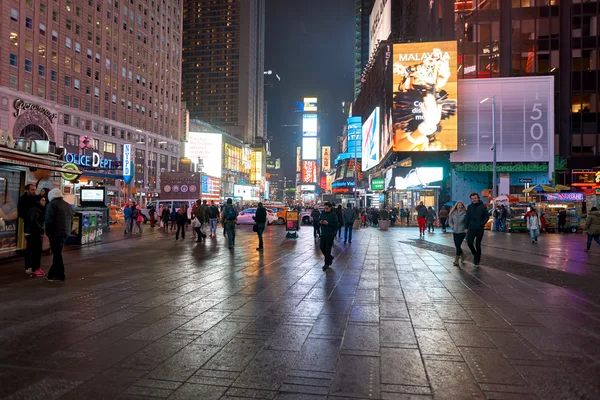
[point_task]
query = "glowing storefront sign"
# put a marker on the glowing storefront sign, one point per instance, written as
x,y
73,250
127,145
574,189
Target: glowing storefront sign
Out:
x,y
419,178
575,196
309,125
326,158
309,171
93,161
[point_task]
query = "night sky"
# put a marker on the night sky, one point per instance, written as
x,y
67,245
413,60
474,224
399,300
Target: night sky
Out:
x,y
310,44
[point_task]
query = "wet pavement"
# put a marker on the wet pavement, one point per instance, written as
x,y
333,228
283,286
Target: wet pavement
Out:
x,y
148,317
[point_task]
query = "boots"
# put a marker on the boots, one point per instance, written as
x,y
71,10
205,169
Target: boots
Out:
x,y
462,258
455,263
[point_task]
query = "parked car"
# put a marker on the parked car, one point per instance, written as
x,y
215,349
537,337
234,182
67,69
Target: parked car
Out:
x,y
245,217
115,214
305,216
280,213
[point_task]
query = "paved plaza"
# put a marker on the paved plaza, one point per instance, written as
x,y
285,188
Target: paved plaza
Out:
x,y
150,317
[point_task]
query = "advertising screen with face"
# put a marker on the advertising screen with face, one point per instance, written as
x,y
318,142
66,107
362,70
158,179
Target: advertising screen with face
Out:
x,y
424,97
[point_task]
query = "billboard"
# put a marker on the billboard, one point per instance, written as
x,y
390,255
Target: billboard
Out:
x,y
355,136
326,158
256,173
309,172
424,97
309,148
524,120
298,158
419,178
370,141
180,185
309,125
380,23
211,188
246,192
310,104
208,147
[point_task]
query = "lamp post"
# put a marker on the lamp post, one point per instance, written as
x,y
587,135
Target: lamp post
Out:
x,y
494,168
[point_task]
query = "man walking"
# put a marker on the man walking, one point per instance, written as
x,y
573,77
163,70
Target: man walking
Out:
x,y
261,221
229,220
59,220
329,226
348,216
421,219
475,220
213,217
315,217
26,202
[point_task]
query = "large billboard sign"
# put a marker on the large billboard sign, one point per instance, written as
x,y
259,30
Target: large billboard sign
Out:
x,y
310,104
326,158
425,92
298,158
355,136
309,172
180,185
309,125
309,148
380,23
524,120
209,148
370,141
246,192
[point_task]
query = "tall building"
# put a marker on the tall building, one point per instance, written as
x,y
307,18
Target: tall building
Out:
x,y
104,71
223,65
361,40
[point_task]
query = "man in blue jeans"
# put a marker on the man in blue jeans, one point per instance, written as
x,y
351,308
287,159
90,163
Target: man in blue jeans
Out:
x,y
348,216
229,220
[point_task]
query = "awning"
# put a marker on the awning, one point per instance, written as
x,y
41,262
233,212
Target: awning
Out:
x,y
30,160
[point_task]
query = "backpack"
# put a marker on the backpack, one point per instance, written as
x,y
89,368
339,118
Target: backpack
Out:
x,y
230,213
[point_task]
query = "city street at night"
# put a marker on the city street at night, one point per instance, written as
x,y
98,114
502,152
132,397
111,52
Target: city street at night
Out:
x,y
150,317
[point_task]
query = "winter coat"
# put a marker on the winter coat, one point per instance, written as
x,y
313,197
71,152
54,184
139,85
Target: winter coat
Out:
x,y
315,214
533,222
200,213
331,228
127,212
261,215
443,213
59,217
173,215
338,213
181,218
457,221
213,212
37,219
421,211
165,215
592,223
26,203
430,216
348,216
477,216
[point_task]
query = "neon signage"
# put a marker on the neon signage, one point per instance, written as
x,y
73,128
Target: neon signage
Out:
x,y
93,161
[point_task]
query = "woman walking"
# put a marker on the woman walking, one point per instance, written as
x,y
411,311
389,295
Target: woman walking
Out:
x,y
181,219
431,217
165,217
533,225
137,218
592,226
456,222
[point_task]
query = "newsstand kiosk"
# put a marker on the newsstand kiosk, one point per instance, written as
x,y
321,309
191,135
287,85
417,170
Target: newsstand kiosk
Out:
x,y
90,219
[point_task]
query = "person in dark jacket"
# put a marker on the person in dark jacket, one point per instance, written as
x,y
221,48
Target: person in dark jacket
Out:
x,y
261,221
181,219
348,217
127,217
329,226
421,210
314,216
173,219
26,202
59,221
165,216
338,213
562,221
475,220
37,219
213,218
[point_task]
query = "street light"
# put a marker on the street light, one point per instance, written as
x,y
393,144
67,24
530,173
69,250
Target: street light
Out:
x,y
494,169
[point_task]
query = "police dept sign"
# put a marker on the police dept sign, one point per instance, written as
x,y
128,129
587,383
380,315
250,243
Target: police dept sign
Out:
x,y
93,161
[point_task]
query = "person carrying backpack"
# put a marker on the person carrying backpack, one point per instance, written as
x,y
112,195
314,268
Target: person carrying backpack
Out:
x,y
229,220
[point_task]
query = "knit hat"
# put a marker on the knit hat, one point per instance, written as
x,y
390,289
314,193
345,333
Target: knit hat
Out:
x,y
55,194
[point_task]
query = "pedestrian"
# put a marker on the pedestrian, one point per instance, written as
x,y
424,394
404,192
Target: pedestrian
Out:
x,y
200,212
138,219
456,222
260,218
329,226
315,215
421,218
562,221
165,216
393,218
152,213
475,220
503,217
59,220
363,219
181,220
197,227
592,226
37,219
444,218
229,220
533,225
173,218
132,221
213,216
430,219
127,217
26,202
348,217
496,214
375,217
338,213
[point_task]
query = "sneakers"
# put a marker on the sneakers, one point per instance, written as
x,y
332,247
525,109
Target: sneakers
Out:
x,y
325,267
38,273
28,271
587,250
455,263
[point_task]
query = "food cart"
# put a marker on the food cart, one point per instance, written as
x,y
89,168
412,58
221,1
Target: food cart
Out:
x,y
516,216
571,202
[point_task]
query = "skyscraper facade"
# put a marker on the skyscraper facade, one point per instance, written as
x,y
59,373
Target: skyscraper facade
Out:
x,y
361,39
223,65
106,71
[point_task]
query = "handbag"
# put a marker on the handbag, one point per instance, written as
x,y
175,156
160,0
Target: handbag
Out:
x,y
255,228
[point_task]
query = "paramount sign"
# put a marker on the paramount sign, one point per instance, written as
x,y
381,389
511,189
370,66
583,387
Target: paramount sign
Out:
x,y
380,23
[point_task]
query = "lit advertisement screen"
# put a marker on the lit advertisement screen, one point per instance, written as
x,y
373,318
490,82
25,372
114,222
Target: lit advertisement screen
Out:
x,y
310,104
309,148
208,147
424,99
309,172
309,125
355,136
370,141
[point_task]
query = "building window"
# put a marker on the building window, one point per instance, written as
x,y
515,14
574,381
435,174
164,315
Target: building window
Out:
x,y
27,87
41,92
69,24
110,147
14,60
14,38
53,95
89,54
68,42
96,92
114,99
28,66
76,103
77,47
42,30
66,119
55,36
76,84
41,71
71,140
12,82
54,16
42,9
14,14
42,51
67,100
53,75
67,81
28,23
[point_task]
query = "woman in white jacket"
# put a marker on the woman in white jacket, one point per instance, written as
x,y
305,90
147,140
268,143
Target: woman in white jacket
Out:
x,y
533,225
457,223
